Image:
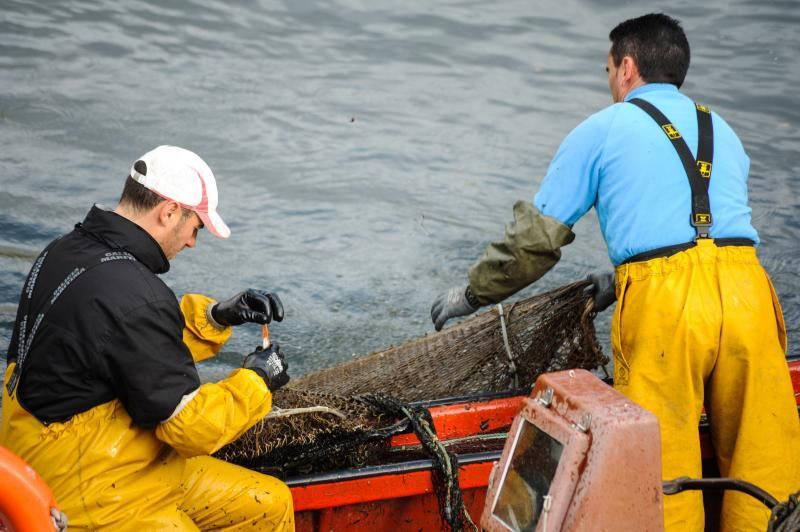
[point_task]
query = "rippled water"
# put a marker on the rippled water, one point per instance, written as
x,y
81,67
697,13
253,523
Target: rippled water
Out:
x,y
366,152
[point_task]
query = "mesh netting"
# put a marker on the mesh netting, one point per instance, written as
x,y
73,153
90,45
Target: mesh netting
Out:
x,y
547,332
308,431
324,421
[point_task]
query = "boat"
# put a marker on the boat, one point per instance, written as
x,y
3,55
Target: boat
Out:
x,y
400,496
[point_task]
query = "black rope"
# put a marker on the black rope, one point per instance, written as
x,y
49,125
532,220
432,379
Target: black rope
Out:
x,y
338,446
785,516
445,464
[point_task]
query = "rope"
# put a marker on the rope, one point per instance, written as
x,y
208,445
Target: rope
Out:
x,y
785,516
512,366
59,520
283,412
448,491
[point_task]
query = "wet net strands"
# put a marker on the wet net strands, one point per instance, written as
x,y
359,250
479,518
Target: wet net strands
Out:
x,y
310,440
547,332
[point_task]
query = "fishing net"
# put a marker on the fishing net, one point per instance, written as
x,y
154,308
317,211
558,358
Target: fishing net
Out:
x,y
310,432
547,332
331,420
342,417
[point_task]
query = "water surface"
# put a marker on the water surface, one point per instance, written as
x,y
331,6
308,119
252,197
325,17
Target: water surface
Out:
x,y
366,152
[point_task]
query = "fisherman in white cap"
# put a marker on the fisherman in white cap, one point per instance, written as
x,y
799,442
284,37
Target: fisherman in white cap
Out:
x,y
102,397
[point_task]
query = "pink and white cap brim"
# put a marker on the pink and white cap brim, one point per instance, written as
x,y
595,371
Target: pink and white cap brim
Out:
x,y
211,219
214,223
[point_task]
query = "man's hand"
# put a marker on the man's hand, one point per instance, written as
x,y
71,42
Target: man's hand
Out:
x,y
454,302
602,289
270,366
254,306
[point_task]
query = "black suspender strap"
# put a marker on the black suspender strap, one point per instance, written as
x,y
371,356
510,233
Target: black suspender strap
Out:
x,y
705,142
698,171
28,326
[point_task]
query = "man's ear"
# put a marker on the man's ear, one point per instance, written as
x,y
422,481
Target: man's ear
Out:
x,y
168,212
630,71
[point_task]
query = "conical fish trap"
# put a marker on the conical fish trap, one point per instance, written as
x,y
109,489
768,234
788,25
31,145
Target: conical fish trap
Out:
x,y
504,348
546,332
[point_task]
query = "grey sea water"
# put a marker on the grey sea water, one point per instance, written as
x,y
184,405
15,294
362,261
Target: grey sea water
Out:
x,y
366,151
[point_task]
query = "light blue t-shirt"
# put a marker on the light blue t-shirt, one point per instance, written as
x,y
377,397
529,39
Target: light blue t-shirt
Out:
x,y
621,162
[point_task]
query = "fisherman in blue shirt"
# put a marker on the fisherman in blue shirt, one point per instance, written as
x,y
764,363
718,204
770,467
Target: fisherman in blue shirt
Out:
x,y
697,322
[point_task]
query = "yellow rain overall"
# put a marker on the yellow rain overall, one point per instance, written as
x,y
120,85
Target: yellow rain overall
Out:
x,y
703,327
106,472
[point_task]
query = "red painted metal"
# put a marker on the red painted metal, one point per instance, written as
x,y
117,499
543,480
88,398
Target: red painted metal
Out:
x,y
343,492
465,419
406,502
407,514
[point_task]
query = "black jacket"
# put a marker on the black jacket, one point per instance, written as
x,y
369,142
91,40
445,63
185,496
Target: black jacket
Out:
x,y
114,333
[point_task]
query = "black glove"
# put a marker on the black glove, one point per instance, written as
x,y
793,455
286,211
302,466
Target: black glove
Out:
x,y
255,306
457,301
602,289
270,366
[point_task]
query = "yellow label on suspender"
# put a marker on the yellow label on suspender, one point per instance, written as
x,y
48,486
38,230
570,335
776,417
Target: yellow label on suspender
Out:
x,y
705,168
702,108
671,132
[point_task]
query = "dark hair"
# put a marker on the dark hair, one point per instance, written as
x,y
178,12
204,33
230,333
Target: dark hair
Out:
x,y
137,197
657,44
141,199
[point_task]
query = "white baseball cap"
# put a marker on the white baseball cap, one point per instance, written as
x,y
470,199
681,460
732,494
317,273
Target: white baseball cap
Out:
x,y
182,176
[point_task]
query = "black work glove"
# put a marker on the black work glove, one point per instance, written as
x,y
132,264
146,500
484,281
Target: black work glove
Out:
x,y
254,306
457,301
602,289
269,364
